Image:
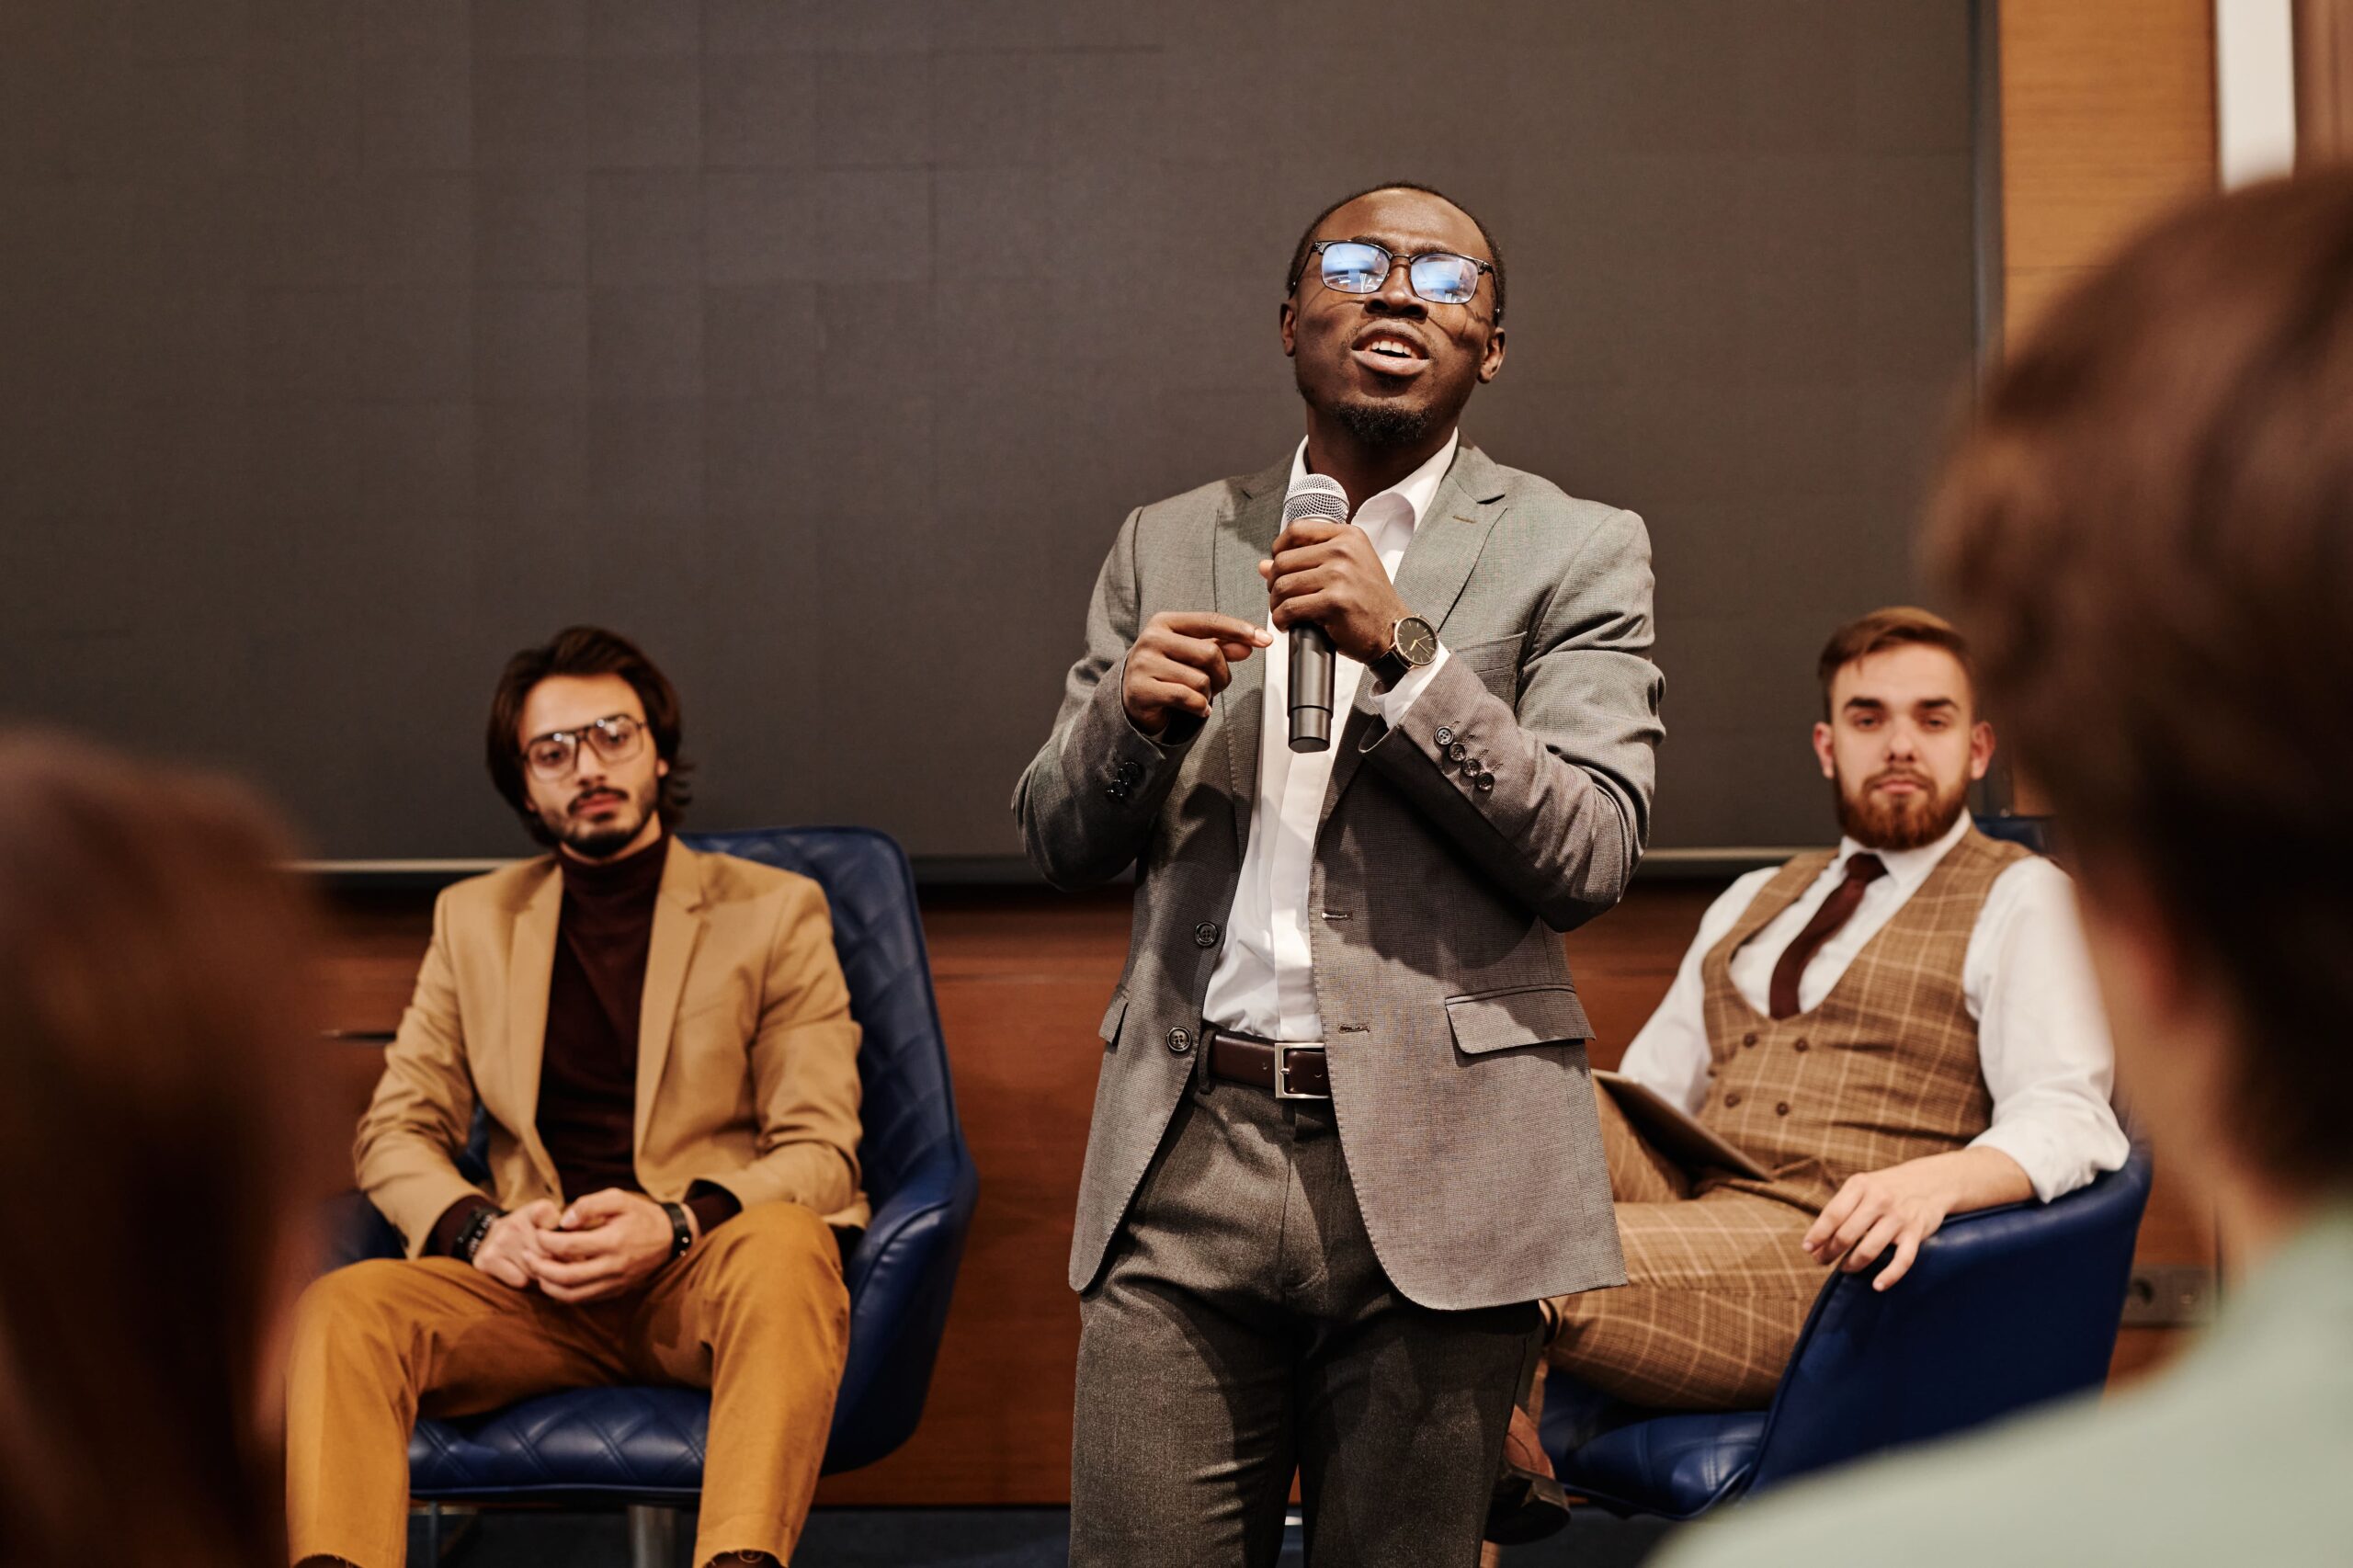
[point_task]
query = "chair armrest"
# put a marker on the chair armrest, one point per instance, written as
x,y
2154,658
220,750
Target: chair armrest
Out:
x,y
901,1276
2004,1308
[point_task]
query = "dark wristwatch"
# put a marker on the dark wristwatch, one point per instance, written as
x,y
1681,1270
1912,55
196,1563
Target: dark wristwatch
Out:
x,y
471,1234
1412,645
682,1234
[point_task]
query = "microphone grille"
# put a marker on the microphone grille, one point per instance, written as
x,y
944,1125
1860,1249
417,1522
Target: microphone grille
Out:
x,y
1315,496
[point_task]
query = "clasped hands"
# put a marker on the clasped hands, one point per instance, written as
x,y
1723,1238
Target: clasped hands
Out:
x,y
605,1245
1321,573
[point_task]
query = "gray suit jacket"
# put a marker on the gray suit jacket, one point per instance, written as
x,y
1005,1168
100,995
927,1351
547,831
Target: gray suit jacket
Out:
x,y
1457,1042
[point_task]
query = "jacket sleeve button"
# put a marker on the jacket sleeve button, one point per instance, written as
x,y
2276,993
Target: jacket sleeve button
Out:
x,y
1445,734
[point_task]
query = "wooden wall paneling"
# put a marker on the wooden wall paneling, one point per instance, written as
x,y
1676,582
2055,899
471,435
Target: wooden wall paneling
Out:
x,y
2323,82
2108,118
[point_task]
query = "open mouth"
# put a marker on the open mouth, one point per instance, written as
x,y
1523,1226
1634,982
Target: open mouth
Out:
x,y
1386,351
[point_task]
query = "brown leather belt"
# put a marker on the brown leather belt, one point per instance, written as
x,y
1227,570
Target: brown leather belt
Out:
x,y
1287,1072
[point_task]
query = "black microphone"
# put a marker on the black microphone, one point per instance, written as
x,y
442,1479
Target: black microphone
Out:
x,y
1315,496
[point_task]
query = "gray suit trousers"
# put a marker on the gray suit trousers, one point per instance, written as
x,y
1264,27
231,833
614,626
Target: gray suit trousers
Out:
x,y
1244,1328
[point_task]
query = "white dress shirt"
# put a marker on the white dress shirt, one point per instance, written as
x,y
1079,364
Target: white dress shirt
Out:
x,y
2041,1038
1265,983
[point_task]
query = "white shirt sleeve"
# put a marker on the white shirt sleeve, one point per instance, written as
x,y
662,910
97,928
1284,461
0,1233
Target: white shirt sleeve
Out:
x,y
2043,1038
1397,699
1670,1055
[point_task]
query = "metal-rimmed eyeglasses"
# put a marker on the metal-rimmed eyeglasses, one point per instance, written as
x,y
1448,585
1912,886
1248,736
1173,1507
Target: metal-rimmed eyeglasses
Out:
x,y
1360,267
616,737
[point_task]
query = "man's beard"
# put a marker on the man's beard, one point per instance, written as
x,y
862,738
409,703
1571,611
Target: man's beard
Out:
x,y
1898,821
601,842
1377,425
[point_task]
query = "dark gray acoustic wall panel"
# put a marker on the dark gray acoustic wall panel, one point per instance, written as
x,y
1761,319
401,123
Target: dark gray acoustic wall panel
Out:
x,y
823,346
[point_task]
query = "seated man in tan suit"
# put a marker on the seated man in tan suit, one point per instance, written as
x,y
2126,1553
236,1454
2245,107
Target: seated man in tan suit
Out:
x,y
1897,1030
662,1043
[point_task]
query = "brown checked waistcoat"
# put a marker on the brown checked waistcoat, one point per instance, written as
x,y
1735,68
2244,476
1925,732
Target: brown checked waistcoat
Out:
x,y
1885,1069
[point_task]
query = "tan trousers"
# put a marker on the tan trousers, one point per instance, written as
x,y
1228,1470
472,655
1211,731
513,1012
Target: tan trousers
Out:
x,y
756,1314
1717,1288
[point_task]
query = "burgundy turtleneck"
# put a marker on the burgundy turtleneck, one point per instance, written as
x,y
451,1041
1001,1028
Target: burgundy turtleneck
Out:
x,y
586,1114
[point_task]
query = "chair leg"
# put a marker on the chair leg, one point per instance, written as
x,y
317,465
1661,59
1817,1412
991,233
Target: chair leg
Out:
x,y
653,1536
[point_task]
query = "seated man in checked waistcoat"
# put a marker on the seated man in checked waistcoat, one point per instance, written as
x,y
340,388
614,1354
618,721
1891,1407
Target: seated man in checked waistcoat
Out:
x,y
1900,1029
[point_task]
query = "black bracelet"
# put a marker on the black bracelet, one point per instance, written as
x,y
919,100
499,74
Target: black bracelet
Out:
x,y
682,1233
471,1233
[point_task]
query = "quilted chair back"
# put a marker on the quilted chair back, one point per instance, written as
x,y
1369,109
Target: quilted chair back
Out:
x,y
917,1170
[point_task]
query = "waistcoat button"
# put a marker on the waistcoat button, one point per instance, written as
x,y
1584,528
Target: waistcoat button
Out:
x,y
1749,1039
1732,1098
1781,1110
1799,1045
1180,1040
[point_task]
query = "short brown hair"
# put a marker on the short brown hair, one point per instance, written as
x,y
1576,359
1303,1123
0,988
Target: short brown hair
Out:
x,y
166,1142
585,651
1889,628
2148,532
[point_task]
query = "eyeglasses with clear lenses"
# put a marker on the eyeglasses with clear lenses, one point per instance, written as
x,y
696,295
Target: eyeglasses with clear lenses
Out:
x,y
1360,267
617,737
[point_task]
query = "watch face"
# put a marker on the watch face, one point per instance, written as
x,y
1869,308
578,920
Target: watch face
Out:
x,y
1416,640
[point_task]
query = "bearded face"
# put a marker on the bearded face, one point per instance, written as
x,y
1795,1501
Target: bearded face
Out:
x,y
1902,745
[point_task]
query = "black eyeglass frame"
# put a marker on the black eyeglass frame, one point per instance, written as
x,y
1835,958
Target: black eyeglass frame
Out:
x,y
601,737
1317,248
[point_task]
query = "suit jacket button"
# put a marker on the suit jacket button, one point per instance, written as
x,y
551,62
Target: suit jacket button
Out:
x,y
1205,934
1129,772
1180,1040
1445,734
1781,1110
1732,1100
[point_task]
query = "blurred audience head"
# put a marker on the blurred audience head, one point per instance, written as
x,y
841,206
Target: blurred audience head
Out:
x,y
1900,739
165,1151
584,744
2148,529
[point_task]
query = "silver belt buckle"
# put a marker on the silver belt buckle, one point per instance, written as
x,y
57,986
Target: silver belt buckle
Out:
x,y
1283,1091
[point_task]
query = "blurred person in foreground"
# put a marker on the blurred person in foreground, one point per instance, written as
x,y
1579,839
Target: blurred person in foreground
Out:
x,y
662,1043
2148,532
160,1146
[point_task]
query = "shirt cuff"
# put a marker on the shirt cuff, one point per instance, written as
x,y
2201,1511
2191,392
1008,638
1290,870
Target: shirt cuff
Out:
x,y
1399,698
442,1242
712,1205
2053,1172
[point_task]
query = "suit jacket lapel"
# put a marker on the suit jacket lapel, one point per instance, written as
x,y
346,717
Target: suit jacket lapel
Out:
x,y
678,925
530,968
1430,579
1244,537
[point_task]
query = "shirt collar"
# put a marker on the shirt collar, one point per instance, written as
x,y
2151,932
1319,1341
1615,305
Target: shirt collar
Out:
x,y
1404,503
1906,868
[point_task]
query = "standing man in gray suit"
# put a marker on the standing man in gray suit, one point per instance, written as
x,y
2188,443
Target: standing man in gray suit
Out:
x,y
1344,1134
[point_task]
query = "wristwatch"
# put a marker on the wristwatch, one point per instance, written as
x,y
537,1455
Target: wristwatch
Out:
x,y
1412,645
682,1234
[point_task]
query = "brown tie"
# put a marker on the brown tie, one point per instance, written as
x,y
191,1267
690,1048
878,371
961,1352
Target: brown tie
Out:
x,y
1861,871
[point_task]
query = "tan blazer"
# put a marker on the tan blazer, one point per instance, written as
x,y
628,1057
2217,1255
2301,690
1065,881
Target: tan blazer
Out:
x,y
746,1057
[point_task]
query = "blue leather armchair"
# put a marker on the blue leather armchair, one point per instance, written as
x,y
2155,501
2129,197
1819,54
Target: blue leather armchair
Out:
x,y
2004,1308
645,1445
